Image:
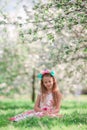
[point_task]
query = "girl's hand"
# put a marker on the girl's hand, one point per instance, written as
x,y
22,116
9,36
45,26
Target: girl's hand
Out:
x,y
46,111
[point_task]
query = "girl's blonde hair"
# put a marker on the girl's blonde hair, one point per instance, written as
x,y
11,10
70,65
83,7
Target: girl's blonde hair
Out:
x,y
55,90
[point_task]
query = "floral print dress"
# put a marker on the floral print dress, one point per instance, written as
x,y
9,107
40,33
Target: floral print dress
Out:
x,y
45,106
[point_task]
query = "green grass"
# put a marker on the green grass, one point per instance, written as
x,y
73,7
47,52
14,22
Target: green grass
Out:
x,y
74,111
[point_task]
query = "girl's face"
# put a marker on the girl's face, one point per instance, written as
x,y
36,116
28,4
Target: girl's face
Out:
x,y
48,82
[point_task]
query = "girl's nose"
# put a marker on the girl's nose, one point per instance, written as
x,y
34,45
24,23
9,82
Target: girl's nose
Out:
x,y
48,84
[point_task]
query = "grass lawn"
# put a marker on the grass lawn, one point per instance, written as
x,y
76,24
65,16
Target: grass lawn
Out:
x,y
75,116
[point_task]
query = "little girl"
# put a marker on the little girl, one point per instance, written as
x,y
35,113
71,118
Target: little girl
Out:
x,y
48,101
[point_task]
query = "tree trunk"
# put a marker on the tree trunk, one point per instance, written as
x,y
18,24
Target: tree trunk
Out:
x,y
33,86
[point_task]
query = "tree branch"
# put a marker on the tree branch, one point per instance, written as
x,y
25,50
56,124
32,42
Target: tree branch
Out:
x,y
79,57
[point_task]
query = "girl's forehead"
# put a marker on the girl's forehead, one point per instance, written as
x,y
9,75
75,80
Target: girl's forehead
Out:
x,y
47,78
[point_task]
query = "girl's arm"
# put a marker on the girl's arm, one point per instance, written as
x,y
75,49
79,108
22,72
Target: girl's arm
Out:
x,y
37,103
57,108
58,104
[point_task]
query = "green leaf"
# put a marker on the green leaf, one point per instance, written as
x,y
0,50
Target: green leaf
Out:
x,y
85,50
50,36
30,31
58,5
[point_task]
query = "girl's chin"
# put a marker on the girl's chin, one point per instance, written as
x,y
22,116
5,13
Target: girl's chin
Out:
x,y
49,88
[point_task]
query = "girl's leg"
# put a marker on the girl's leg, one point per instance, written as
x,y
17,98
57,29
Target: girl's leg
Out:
x,y
22,116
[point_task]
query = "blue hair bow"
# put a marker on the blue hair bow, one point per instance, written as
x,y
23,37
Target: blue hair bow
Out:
x,y
45,72
40,76
52,73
